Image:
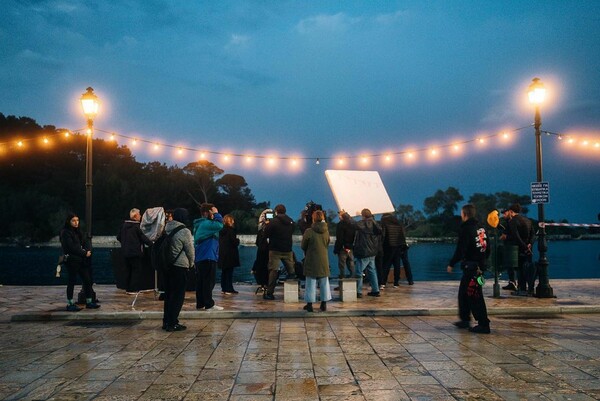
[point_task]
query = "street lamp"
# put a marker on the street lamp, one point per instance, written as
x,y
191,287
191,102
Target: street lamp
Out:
x,y
537,95
90,105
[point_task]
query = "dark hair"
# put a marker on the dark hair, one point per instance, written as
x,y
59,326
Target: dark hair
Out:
x,y
280,209
206,207
70,215
469,211
366,213
181,215
515,207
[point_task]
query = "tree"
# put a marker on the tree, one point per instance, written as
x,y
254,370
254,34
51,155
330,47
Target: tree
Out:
x,y
234,194
203,175
443,203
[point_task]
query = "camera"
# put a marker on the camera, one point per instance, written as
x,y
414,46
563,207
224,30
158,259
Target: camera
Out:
x,y
269,216
310,208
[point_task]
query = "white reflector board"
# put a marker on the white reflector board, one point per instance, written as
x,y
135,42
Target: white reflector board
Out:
x,y
355,190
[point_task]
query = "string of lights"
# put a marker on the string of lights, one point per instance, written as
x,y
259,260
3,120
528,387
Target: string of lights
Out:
x,y
202,153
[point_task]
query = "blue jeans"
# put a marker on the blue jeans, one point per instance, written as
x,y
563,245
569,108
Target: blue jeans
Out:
x,y
361,265
310,295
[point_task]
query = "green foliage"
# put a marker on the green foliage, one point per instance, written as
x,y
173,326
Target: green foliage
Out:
x,y
40,183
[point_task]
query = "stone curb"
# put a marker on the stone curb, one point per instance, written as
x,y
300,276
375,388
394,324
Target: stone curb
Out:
x,y
232,314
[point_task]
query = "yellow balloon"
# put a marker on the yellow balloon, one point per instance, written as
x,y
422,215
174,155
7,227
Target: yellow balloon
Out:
x,y
493,219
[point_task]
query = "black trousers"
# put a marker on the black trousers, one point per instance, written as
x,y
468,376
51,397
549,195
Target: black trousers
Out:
x,y
174,283
471,303
392,257
206,272
83,270
133,266
227,279
527,272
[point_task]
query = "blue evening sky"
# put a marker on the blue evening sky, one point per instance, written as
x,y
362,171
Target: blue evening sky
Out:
x,y
325,79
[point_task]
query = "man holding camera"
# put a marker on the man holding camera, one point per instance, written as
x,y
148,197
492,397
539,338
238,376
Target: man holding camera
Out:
x,y
279,234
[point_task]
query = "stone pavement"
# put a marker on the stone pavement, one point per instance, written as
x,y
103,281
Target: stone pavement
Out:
x,y
539,349
423,298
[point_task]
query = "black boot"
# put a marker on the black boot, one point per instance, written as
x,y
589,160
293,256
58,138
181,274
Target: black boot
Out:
x,y
323,306
308,307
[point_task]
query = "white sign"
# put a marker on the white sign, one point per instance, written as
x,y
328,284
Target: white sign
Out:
x,y
540,192
357,190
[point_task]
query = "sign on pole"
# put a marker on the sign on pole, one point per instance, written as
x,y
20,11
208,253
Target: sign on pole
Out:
x,y
540,192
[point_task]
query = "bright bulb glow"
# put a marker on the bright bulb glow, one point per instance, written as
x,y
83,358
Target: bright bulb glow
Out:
x,y
537,92
365,160
226,157
481,140
67,134
271,160
571,140
455,147
156,146
180,151
90,104
505,135
410,155
340,161
388,158
248,159
20,144
318,162
46,140
434,152
597,145
134,142
88,131
202,155
294,162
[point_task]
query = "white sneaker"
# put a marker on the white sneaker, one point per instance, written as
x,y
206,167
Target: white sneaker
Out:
x,y
215,307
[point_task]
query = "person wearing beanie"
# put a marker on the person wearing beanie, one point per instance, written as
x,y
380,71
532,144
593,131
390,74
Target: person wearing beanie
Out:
x,y
182,251
206,240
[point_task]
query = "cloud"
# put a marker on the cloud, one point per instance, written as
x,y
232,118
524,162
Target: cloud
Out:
x,y
32,57
339,22
391,18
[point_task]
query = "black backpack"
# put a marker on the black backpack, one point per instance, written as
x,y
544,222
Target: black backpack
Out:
x,y
161,257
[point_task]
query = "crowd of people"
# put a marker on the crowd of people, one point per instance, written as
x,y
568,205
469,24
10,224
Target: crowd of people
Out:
x,y
366,250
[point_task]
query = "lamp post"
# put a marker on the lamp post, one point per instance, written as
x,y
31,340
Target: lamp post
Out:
x,y
537,95
90,105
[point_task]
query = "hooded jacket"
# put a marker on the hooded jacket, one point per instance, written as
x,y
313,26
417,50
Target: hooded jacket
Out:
x,y
131,238
315,243
279,233
181,240
206,237
472,244
367,239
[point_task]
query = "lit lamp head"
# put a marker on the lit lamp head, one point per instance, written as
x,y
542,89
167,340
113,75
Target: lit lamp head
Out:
x,y
90,103
537,92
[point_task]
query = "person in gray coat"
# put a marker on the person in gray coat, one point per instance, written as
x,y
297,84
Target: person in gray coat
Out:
x,y
176,275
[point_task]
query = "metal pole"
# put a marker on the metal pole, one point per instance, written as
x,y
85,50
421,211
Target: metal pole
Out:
x,y
543,290
88,182
496,284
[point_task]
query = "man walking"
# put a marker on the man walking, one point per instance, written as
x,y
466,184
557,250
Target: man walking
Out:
x,y
366,245
471,251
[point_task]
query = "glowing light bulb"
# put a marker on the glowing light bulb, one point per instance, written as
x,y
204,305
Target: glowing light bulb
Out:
x,y
597,145
67,134
156,146
410,155
571,140
318,162
340,161
88,131
560,137
134,142
585,143
456,147
364,159
434,152
505,135
248,159
226,157
481,140
113,137
202,155
271,161
46,140
20,144
180,151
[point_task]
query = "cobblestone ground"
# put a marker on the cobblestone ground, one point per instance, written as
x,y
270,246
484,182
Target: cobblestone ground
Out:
x,y
331,358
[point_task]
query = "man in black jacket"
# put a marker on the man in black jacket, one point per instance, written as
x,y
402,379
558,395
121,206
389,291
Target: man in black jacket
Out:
x,y
395,249
367,241
471,251
279,234
344,244
131,238
520,233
